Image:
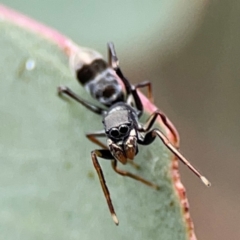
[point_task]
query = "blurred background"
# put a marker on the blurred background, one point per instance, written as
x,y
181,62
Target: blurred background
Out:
x,y
190,50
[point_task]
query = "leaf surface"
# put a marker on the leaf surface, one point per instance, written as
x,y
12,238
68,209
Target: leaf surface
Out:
x,y
49,188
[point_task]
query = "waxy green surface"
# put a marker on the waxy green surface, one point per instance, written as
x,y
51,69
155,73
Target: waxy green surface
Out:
x,y
48,186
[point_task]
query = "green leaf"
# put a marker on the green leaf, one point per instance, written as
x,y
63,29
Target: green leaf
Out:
x,y
49,188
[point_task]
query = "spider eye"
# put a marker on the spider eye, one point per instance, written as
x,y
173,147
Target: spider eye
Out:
x,y
123,129
114,132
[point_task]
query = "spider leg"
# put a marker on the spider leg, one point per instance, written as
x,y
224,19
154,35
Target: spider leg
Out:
x,y
150,137
152,119
67,91
128,174
147,84
130,90
93,138
102,153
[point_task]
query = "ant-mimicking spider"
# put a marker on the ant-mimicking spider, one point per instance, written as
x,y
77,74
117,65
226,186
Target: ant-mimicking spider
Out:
x,y
121,119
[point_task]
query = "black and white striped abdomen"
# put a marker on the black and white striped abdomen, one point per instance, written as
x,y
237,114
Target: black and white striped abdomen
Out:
x,y
100,80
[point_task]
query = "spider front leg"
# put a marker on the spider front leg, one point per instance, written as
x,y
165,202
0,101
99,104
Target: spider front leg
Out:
x,y
150,137
106,155
152,119
93,138
147,84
